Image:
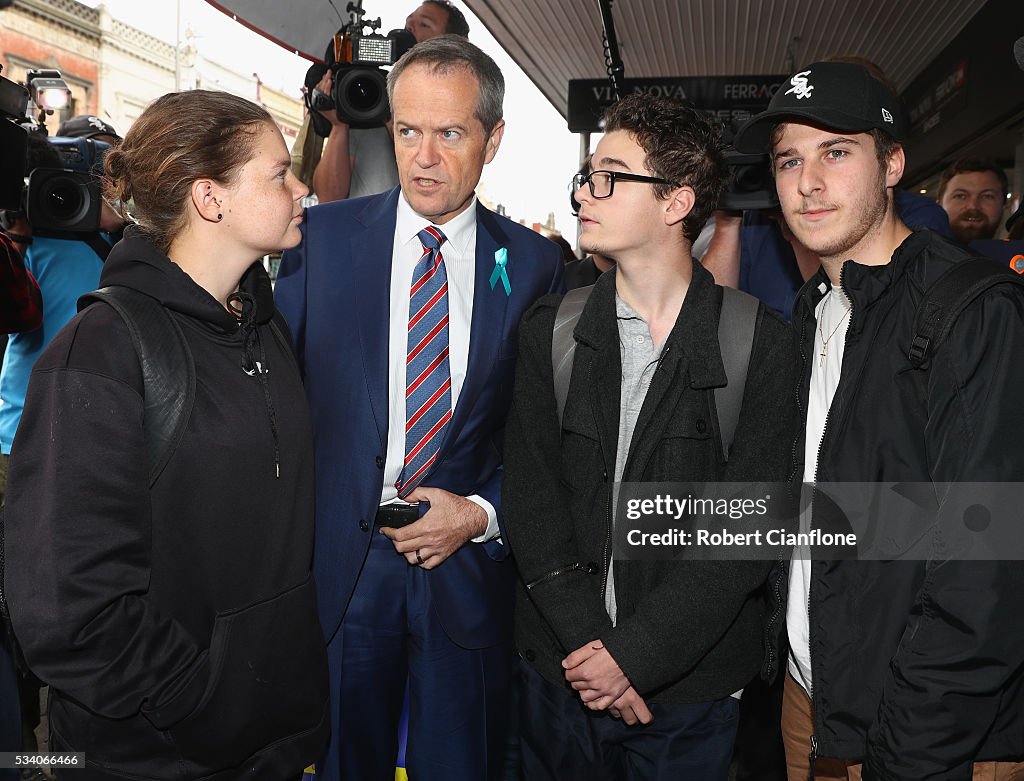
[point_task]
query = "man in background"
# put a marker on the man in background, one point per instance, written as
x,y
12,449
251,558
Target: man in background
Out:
x,y
973,193
361,161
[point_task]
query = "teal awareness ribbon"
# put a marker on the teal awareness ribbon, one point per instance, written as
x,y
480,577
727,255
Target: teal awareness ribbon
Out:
x,y
500,272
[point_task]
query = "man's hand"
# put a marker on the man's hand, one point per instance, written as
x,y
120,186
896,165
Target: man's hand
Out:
x,y
332,178
326,86
631,708
597,677
450,523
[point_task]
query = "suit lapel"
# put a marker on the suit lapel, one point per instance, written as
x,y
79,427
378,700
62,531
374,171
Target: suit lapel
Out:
x,y
489,307
370,296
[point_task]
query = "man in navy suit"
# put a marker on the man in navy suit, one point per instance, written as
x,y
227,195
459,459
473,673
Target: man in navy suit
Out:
x,y
405,308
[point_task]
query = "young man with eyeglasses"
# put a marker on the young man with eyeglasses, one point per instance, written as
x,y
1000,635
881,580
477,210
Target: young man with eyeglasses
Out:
x,y
633,668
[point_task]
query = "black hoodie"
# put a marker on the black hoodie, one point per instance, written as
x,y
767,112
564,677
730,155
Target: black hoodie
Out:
x,y
176,625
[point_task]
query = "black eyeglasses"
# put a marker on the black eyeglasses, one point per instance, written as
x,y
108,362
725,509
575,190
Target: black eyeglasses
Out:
x,y
602,183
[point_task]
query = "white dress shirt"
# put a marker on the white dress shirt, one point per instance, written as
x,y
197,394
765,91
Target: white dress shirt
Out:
x,y
459,252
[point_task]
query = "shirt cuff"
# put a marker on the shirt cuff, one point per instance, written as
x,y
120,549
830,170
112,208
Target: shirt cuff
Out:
x,y
492,530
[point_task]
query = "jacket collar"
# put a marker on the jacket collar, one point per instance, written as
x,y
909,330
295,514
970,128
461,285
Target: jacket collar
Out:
x,y
863,284
694,335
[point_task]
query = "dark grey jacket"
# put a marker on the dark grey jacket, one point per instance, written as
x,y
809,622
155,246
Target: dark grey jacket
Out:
x,y
686,632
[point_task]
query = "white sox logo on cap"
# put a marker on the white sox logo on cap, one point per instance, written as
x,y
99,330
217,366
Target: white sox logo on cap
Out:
x,y
800,86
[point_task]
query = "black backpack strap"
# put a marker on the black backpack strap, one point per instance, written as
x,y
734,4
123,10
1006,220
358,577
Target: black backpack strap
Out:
x,y
735,339
946,298
98,244
95,240
168,370
736,325
563,346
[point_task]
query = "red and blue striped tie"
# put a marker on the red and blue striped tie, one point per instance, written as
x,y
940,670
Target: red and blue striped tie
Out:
x,y
428,379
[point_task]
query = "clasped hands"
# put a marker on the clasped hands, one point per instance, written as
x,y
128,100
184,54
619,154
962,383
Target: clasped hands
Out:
x,y
602,685
450,523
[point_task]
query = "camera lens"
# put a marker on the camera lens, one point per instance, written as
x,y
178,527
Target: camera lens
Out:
x,y
362,93
63,198
360,96
750,178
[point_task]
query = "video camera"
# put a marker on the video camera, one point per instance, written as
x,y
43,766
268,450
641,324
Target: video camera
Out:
x,y
751,185
66,198
358,61
69,198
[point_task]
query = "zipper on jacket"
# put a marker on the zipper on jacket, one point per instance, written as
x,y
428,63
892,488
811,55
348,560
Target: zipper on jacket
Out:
x,y
664,352
777,588
576,565
814,490
608,501
607,543
810,509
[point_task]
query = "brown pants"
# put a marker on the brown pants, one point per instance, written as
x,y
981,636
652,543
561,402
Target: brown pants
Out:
x,y
797,727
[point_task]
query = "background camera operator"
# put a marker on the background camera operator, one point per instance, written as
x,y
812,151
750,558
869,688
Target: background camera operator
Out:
x,y
20,307
64,265
361,161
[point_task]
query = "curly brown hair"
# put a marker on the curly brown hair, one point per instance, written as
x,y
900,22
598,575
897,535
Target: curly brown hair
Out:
x,y
681,144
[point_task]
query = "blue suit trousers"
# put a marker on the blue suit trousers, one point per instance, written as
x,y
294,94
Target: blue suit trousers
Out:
x,y
458,697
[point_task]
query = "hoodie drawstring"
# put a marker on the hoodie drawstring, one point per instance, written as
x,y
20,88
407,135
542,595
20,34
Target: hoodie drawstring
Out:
x,y
244,308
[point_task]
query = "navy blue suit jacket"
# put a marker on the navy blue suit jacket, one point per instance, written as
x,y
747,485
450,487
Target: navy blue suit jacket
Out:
x,y
334,291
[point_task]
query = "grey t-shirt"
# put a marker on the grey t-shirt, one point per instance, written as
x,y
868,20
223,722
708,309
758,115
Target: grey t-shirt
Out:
x,y
640,358
375,170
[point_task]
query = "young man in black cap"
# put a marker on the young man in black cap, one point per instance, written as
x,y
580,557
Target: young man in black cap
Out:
x,y
897,669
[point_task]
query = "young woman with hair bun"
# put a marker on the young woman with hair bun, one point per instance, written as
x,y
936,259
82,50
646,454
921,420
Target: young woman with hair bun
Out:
x,y
175,622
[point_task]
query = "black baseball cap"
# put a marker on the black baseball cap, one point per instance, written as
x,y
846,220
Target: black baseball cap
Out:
x,y
86,126
841,96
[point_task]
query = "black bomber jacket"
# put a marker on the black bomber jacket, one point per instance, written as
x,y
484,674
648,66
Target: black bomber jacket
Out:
x,y
918,666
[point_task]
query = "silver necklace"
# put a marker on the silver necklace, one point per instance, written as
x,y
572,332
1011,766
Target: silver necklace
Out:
x,y
826,339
